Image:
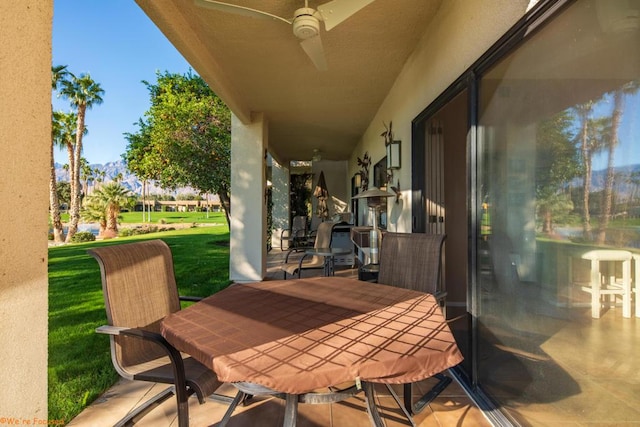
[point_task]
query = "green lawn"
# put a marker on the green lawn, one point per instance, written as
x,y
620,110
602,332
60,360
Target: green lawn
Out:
x,y
79,363
175,217
169,217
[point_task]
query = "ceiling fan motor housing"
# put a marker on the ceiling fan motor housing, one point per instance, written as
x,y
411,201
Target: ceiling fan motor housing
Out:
x,y
305,24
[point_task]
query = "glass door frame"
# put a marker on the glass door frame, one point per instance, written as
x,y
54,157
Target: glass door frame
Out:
x,y
534,20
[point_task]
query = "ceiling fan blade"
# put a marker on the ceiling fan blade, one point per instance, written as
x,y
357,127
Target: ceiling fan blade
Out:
x,y
313,47
239,10
336,11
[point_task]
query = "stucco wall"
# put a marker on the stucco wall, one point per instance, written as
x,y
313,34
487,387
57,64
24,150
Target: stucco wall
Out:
x,y
25,135
456,38
248,242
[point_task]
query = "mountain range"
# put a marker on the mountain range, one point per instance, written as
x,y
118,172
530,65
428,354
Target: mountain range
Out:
x,y
624,179
130,181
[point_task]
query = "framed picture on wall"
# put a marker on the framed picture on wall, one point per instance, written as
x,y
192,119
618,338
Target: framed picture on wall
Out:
x,y
380,174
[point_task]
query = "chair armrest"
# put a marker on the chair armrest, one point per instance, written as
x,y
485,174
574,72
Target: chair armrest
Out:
x,y
110,330
135,332
174,355
289,252
190,298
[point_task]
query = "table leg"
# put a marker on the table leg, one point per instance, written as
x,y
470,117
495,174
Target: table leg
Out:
x,y
595,288
372,408
626,289
636,263
291,411
232,407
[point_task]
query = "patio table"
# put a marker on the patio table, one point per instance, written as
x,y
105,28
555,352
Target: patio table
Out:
x,y
328,254
298,336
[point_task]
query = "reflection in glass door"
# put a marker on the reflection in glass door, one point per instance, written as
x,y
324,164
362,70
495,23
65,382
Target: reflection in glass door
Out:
x,y
559,207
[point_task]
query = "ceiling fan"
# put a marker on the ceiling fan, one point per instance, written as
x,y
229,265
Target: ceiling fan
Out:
x,y
305,22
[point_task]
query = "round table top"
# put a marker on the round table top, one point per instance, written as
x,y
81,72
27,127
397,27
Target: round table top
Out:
x,y
299,335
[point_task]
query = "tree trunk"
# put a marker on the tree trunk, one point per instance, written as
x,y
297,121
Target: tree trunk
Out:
x,y
586,180
144,205
112,213
54,203
547,222
226,205
74,211
616,118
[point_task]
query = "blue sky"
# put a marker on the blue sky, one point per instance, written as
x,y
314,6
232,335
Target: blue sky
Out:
x,y
118,45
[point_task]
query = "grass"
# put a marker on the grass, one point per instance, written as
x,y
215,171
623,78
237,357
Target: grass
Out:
x,y
169,217
175,217
79,362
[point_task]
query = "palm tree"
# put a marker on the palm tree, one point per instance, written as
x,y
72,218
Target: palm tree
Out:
x,y
616,119
83,93
110,199
86,174
94,211
58,73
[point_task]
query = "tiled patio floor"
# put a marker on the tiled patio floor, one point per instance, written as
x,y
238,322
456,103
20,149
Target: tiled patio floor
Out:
x,y
452,408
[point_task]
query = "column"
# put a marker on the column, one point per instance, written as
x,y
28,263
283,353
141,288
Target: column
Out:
x,y
280,181
248,244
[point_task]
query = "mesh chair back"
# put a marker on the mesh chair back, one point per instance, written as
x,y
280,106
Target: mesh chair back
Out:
x,y
411,261
139,289
323,240
299,226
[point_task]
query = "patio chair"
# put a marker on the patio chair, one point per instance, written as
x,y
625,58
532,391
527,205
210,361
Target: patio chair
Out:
x,y
414,261
306,262
297,235
139,291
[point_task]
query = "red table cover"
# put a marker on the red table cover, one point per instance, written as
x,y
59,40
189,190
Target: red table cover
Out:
x,y
295,336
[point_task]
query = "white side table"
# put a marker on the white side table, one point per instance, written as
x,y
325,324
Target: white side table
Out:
x,y
636,263
600,286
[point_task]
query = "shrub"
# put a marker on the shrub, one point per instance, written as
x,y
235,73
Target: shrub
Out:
x,y
125,232
83,236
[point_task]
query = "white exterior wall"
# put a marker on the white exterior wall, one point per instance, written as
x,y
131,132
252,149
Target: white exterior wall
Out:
x,y
25,138
248,241
456,38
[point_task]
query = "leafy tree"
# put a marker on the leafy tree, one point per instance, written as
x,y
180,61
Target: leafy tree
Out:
x,y
83,93
140,159
63,190
557,163
185,139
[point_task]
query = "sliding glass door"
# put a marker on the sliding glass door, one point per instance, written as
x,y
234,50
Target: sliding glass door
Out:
x,y
558,211
530,163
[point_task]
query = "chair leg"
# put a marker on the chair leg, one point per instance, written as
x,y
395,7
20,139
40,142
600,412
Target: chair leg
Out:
x,y
147,406
416,408
182,398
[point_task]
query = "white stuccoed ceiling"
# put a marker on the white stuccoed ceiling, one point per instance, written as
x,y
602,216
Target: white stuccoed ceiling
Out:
x,y
257,65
